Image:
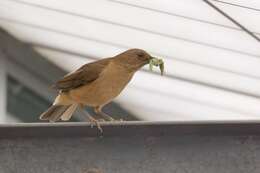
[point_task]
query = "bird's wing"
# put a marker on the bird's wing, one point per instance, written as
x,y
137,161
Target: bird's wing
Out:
x,y
84,75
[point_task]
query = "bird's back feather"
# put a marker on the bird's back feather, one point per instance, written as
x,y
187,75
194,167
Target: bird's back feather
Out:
x,y
84,75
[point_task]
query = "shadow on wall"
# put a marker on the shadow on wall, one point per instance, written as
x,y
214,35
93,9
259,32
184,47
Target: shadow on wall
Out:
x,y
28,81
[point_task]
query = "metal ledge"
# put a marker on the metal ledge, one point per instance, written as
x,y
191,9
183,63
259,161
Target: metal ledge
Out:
x,y
130,128
140,147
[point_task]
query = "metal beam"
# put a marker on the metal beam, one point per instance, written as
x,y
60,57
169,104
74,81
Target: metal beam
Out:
x,y
130,129
139,147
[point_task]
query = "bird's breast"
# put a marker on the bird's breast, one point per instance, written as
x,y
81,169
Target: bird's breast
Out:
x,y
104,89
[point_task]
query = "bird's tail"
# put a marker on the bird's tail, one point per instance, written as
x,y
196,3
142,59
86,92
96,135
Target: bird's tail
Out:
x,y
57,112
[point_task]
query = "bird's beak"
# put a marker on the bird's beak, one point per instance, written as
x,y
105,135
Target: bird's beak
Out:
x,y
156,62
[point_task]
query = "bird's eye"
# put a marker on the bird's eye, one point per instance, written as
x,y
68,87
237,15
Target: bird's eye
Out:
x,y
140,55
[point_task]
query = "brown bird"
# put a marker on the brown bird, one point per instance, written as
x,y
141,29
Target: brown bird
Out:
x,y
96,84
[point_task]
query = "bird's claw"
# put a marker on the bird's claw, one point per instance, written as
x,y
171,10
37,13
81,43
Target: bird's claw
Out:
x,y
116,120
93,121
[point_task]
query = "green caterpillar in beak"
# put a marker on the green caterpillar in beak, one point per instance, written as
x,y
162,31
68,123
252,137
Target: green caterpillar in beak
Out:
x,y
157,62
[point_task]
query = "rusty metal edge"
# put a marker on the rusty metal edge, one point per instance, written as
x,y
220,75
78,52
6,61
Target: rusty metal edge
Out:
x,y
130,129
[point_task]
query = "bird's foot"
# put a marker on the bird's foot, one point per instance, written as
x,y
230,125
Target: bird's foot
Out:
x,y
109,118
91,119
118,120
96,122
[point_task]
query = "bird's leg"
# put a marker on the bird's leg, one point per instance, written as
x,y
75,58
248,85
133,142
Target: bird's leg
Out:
x,y
91,119
98,110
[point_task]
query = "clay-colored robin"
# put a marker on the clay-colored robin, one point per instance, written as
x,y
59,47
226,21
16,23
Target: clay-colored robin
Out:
x,y
96,84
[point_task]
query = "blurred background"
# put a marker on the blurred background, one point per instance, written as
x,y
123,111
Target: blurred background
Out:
x,y
212,65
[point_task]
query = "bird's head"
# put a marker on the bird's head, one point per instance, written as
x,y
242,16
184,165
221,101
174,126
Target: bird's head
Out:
x,y
136,58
